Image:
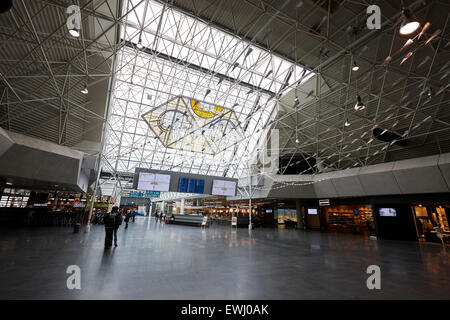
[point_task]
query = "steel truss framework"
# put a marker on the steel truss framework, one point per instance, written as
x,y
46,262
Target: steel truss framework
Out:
x,y
42,70
186,56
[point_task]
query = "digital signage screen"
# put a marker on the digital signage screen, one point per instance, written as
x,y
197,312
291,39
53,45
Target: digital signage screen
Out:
x,y
199,186
183,185
153,181
387,212
191,185
223,188
312,211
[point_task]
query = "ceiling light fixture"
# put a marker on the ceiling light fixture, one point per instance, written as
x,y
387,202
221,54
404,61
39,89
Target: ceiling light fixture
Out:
x,y
139,45
409,24
355,66
74,32
347,123
359,104
85,89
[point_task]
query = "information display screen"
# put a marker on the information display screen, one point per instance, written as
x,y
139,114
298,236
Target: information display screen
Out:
x,y
191,185
312,211
153,181
223,188
199,186
183,184
388,212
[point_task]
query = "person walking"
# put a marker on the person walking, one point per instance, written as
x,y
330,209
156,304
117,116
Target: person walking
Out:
x,y
117,224
127,218
112,221
133,215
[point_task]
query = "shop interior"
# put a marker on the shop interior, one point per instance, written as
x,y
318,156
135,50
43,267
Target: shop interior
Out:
x,y
265,212
431,220
349,218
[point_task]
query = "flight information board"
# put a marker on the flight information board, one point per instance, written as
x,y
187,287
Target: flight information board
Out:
x,y
153,181
223,188
191,185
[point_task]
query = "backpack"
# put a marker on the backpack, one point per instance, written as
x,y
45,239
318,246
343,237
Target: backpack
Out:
x,y
119,219
110,220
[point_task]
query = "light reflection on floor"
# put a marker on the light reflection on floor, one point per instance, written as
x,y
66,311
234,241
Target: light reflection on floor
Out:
x,y
159,261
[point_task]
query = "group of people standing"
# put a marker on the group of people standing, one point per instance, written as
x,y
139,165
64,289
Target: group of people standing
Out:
x,y
112,221
160,215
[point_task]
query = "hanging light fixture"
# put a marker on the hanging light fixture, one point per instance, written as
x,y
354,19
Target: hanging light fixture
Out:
x,y
347,123
409,24
85,89
74,32
359,105
355,66
139,45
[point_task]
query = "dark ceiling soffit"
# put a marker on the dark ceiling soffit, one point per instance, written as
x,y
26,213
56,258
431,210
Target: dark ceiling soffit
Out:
x,y
198,68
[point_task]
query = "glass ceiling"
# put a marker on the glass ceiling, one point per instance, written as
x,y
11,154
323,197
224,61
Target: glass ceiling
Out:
x,y
225,86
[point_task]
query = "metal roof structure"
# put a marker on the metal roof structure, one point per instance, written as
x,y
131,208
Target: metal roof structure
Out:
x,y
277,64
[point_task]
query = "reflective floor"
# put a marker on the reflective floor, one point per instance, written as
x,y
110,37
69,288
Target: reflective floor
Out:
x,y
158,261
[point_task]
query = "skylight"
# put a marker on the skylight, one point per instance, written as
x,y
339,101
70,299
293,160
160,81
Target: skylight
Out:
x,y
186,58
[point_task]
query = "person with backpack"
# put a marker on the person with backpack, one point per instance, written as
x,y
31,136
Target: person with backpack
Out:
x,y
112,221
127,218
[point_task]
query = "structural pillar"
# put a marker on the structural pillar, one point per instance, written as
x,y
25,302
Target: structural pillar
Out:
x,y
182,206
300,210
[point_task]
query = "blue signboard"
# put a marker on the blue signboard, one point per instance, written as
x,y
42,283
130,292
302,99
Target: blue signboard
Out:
x,y
144,194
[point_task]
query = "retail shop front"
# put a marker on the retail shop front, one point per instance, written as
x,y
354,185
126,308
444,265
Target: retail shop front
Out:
x,y
432,221
423,218
346,218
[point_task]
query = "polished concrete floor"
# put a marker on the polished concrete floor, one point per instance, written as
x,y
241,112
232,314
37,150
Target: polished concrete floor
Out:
x,y
158,261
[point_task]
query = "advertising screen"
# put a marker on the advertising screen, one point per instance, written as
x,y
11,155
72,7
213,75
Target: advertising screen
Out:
x,y
153,181
312,211
223,188
388,212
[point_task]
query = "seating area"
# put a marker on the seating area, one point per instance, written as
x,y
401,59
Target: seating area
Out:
x,y
189,220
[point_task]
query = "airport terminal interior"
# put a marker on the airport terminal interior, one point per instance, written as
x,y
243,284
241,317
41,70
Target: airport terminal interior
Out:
x,y
224,149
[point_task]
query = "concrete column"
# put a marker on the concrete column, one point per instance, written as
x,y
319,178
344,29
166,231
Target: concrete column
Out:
x,y
162,206
182,206
300,210
55,202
